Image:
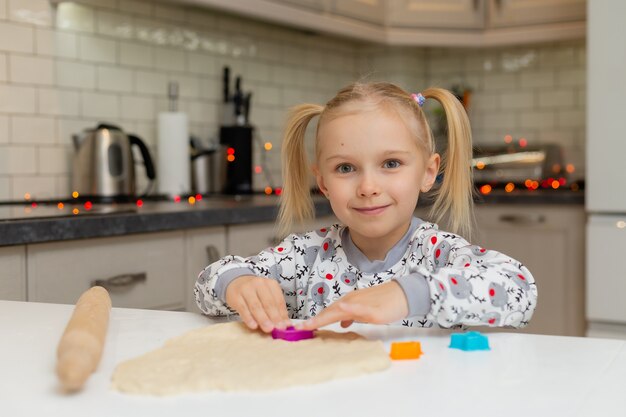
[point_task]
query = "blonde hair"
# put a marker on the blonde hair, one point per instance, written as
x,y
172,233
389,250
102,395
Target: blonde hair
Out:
x,y
453,198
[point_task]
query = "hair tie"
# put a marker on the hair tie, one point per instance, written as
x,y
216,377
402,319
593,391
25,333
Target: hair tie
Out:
x,y
419,98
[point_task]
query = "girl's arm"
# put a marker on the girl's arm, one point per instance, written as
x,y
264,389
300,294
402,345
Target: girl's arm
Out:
x,y
276,263
470,285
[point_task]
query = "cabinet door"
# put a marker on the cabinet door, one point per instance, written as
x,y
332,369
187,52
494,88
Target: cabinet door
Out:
x,y
203,247
454,14
13,273
503,13
549,240
372,11
140,271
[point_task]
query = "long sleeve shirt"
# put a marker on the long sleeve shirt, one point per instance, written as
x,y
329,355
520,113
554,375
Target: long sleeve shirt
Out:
x,y
448,282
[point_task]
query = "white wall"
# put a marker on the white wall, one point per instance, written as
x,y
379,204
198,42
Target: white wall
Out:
x,y
66,69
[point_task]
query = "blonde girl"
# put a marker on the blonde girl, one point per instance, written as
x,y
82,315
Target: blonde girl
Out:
x,y
374,154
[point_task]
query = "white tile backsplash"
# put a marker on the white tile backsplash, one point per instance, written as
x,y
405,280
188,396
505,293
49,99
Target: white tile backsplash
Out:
x,y
4,129
28,69
16,37
56,43
75,74
4,64
58,102
33,130
111,60
17,99
37,12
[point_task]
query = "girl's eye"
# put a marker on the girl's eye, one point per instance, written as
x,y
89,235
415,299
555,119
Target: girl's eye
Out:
x,y
344,168
393,163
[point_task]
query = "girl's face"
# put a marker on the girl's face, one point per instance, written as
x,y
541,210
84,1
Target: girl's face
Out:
x,y
371,169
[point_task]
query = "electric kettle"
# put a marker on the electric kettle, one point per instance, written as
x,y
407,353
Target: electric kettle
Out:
x,y
104,166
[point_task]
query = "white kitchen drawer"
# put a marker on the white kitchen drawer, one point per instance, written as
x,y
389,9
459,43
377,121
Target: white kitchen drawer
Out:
x,y
13,273
250,239
59,272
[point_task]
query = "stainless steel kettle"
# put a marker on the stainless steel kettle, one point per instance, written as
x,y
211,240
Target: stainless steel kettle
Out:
x,y
104,165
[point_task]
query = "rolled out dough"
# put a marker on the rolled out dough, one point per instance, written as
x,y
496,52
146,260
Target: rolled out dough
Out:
x,y
229,357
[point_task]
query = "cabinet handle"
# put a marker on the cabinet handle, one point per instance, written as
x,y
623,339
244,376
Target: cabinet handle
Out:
x,y
523,219
120,283
212,254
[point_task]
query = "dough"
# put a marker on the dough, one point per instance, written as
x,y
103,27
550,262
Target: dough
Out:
x,y
229,357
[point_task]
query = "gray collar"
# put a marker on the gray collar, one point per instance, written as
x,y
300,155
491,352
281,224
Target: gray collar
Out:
x,y
355,257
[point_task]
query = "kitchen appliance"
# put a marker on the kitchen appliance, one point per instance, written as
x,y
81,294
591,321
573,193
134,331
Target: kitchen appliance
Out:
x,y
104,165
502,164
208,168
606,170
236,135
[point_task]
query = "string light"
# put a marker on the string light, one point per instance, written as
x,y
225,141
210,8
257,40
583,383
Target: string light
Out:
x,y
569,168
508,139
75,194
177,199
75,211
88,205
485,189
268,146
509,187
258,169
139,203
192,200
27,196
60,206
198,197
480,165
268,190
523,143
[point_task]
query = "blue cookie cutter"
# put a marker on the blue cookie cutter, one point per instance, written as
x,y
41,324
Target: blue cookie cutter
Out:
x,y
469,341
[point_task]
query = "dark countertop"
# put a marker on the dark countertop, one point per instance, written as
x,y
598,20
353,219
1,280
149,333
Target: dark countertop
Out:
x,y
21,224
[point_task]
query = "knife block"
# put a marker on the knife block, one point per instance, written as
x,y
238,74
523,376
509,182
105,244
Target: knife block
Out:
x,y
238,140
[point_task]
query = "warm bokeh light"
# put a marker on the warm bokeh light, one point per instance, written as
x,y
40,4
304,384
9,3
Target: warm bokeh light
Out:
x,y
268,146
75,211
230,158
258,169
60,206
621,224
562,181
198,197
177,199
88,205
192,200
230,151
139,203
556,168
523,143
485,189
508,139
27,196
570,168
33,204
268,190
509,187
534,185
75,194
278,191
555,184
480,165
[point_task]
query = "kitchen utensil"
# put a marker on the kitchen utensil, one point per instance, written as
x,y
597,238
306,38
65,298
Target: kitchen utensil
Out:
x,y
291,334
104,166
81,345
208,168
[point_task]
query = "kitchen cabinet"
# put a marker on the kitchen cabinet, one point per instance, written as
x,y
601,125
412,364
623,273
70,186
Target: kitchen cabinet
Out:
x,y
472,23
550,241
140,271
458,14
250,239
203,247
506,13
13,273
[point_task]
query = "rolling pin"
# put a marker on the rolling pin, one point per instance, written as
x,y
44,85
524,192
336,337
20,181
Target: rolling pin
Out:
x,y
80,348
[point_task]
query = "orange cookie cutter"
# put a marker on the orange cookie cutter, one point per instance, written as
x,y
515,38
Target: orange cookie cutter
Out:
x,y
405,350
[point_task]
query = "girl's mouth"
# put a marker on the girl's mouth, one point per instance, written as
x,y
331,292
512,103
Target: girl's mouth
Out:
x,y
371,210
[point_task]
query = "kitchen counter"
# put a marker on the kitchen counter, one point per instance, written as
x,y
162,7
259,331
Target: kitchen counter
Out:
x,y
522,375
23,224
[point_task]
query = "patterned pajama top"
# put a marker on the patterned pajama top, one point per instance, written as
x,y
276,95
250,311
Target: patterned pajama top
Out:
x,y
448,282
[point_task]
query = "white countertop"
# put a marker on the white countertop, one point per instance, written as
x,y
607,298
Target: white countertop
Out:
x,y
522,375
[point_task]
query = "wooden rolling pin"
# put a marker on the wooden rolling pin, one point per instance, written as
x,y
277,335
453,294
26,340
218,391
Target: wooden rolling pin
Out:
x,y
80,348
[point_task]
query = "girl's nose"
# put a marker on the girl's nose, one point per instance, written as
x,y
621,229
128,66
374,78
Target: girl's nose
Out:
x,y
368,186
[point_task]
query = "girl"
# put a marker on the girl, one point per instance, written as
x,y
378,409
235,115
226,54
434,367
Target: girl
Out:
x,y
374,154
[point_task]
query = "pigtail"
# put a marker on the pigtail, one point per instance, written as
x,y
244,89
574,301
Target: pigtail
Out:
x,y
454,199
296,204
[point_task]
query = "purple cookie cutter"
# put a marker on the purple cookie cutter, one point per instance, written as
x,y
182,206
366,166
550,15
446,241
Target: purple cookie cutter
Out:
x,y
290,334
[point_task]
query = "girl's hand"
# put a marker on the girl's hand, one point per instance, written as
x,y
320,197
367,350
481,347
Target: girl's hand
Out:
x,y
381,304
259,302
